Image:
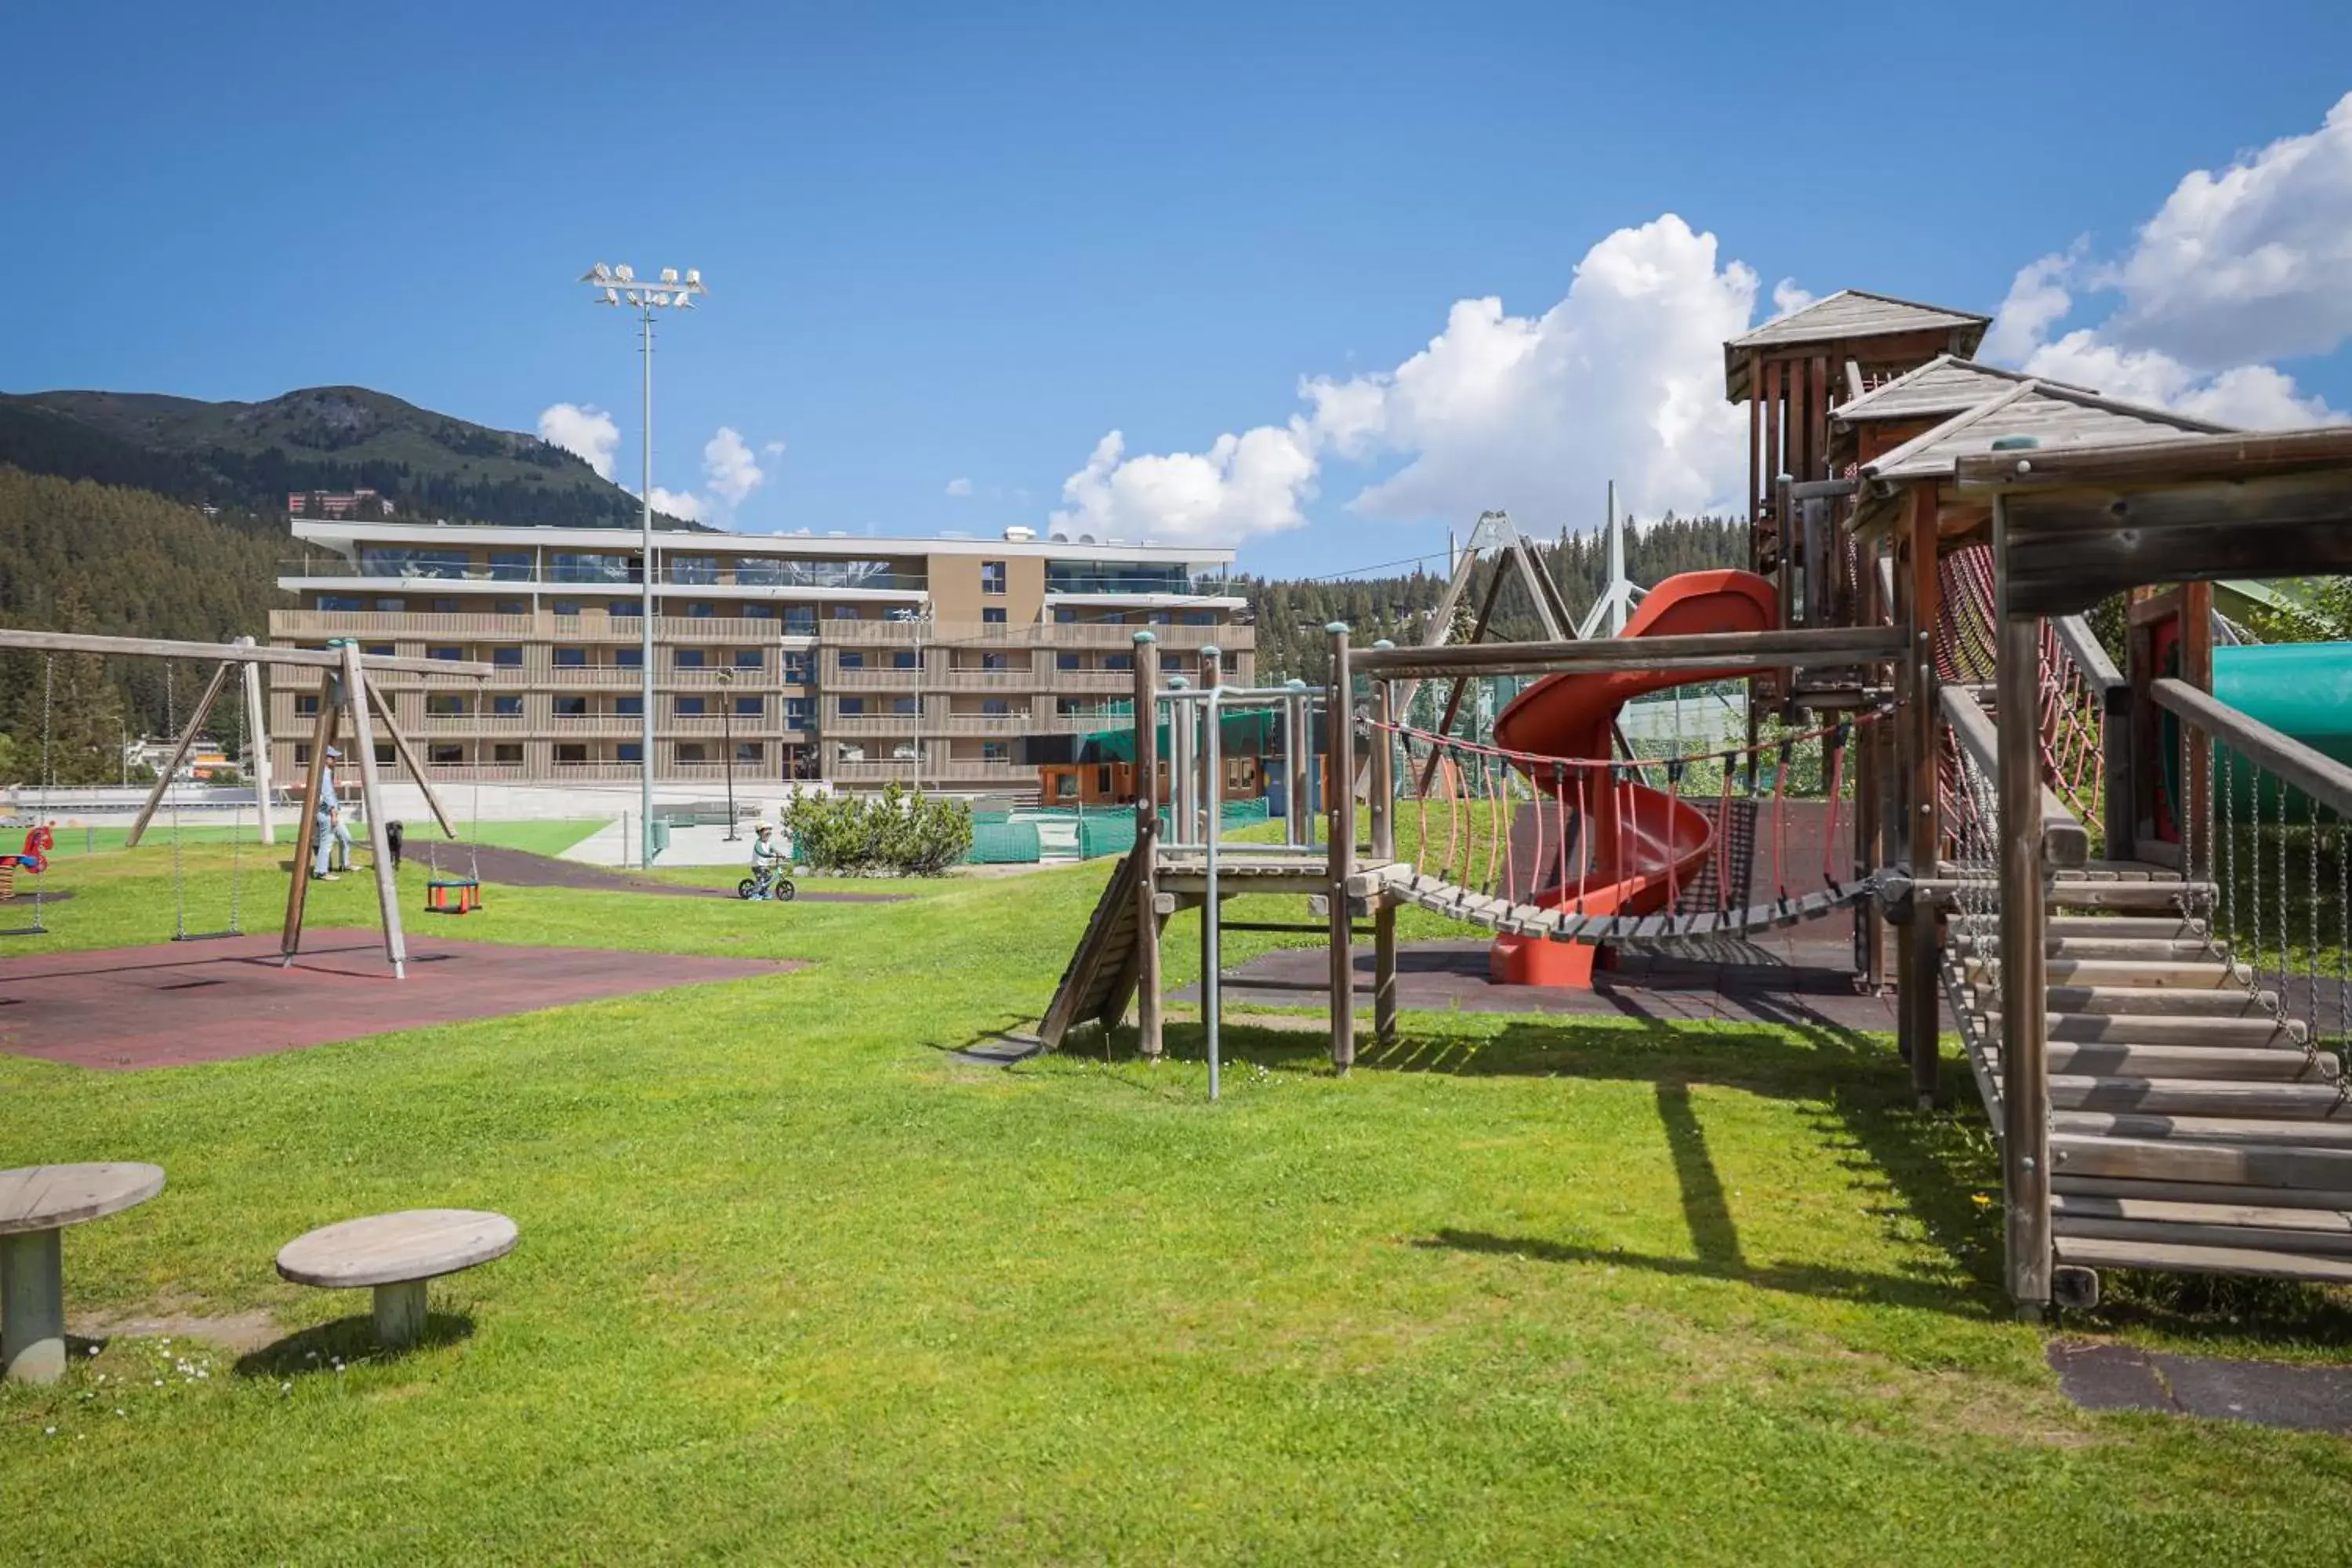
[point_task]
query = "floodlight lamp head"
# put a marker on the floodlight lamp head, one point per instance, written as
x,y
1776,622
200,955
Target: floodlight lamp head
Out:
x,y
669,275
660,298
694,277
624,272
612,297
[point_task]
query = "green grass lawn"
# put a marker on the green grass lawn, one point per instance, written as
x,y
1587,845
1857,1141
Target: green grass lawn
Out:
x,y
796,1286
540,837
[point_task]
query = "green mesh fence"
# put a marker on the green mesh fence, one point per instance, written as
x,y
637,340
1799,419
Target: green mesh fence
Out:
x,y
1003,843
1106,832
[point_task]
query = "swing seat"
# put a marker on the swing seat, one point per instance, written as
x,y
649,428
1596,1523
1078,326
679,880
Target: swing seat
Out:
x,y
453,895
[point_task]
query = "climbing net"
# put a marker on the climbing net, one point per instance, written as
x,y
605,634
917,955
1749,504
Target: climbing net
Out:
x,y
2072,709
1529,829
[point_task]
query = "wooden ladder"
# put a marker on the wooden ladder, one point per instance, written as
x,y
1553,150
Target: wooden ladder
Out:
x,y
2194,1127
1100,979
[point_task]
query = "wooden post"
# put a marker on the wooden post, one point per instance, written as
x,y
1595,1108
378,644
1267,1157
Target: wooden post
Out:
x,y
257,733
388,887
1383,804
179,749
1919,1002
1869,853
2025,965
306,827
2197,669
1339,787
1147,847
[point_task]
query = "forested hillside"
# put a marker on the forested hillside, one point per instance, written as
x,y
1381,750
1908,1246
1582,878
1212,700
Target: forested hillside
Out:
x,y
249,455
1292,612
85,557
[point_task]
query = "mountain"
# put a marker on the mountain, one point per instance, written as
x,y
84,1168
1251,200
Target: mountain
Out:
x,y
248,456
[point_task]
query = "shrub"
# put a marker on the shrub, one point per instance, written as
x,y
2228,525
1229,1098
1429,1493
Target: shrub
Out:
x,y
893,834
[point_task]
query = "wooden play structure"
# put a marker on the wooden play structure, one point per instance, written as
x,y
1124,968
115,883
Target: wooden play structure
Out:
x,y
2132,898
348,700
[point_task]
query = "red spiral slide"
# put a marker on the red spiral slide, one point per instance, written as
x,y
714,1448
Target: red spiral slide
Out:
x,y
1643,841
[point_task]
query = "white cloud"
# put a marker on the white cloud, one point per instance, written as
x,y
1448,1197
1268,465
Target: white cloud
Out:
x,y
2254,262
684,505
2236,268
1788,299
1621,379
584,430
729,467
959,487
773,449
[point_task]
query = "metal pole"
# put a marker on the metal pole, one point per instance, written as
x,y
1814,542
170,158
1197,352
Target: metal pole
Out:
x,y
256,730
1211,997
727,739
645,609
1179,765
1147,849
1340,794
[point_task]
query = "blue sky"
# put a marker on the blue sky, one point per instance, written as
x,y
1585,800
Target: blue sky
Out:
x,y
965,243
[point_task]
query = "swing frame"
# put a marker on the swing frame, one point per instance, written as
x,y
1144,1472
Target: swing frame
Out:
x,y
350,697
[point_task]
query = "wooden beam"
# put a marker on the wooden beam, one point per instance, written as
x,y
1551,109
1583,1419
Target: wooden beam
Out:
x,y
306,830
408,759
1697,650
2223,457
1919,1002
257,727
179,749
388,887
2065,841
2024,970
165,648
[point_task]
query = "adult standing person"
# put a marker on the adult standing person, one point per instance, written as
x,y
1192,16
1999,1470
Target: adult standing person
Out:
x,y
335,833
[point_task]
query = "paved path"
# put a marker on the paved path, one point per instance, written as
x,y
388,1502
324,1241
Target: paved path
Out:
x,y
521,868
177,1003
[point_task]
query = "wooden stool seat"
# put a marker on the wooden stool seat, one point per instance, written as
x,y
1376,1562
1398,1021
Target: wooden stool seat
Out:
x,y
36,1202
397,1254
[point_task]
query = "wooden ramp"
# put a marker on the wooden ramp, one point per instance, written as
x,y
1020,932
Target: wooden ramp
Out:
x,y
1100,979
2195,1126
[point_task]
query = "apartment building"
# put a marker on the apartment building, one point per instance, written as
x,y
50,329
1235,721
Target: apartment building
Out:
x,y
855,660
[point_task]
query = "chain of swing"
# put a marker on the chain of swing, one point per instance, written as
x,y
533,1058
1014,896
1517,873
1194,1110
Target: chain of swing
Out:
x,y
41,817
179,931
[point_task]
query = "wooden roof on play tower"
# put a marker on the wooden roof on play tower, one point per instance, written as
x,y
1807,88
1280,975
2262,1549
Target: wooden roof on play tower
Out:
x,y
1849,319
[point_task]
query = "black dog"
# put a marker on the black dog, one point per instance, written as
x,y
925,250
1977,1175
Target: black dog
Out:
x,y
392,832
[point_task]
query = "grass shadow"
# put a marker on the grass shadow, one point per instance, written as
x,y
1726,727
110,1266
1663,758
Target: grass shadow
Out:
x,y
319,1347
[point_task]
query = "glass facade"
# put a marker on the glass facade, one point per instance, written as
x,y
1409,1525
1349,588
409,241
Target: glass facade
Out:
x,y
569,566
1114,577
401,561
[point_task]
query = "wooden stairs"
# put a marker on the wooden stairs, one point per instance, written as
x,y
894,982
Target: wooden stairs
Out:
x,y
2194,1126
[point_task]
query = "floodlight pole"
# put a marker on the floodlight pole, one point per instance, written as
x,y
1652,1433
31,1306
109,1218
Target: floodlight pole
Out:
x,y
613,285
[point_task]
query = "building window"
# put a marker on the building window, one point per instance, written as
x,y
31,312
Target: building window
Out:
x,y
567,606
701,609
995,708
991,661
992,576
566,566
632,609
751,658
306,705
686,658
852,659
383,758
571,707
301,754
845,613
452,654
1200,617
507,707
687,707
510,565
996,752
759,611
377,650
509,752
800,620
794,669
1156,618
797,710
510,606
1065,787
392,606
751,707
690,752
507,657
442,756
445,704
904,658
1065,661
448,607
567,752
342,604
693,569
629,659
751,751
629,707
630,751
902,705
992,616
571,657
853,707
1118,661
1065,615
